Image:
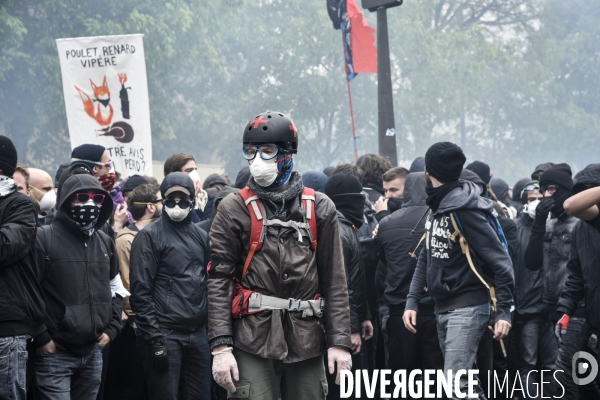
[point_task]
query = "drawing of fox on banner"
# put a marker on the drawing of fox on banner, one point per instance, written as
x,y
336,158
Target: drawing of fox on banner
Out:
x,y
103,113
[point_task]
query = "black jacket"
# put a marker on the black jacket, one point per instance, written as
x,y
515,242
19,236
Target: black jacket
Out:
x,y
399,235
549,248
21,301
168,272
529,285
445,270
355,274
75,273
583,268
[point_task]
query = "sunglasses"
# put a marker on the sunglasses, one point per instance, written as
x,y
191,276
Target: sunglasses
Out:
x,y
85,197
170,203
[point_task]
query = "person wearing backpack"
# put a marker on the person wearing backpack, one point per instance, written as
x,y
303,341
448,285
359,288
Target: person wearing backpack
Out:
x,y
277,287
76,263
459,219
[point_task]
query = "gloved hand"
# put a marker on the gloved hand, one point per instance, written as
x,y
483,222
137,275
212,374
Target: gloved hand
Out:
x,y
157,355
561,327
223,368
543,209
341,357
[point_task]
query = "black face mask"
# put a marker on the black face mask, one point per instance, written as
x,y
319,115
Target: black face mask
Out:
x,y
559,198
351,206
84,218
395,203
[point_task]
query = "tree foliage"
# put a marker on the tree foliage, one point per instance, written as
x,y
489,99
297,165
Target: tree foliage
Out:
x,y
513,81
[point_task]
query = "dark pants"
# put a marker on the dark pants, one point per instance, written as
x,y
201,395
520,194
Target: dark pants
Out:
x,y
125,379
536,350
64,376
410,351
13,365
189,372
574,340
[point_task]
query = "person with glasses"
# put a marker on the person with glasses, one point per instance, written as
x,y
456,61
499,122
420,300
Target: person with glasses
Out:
x,y
277,349
169,296
536,346
125,376
549,249
76,264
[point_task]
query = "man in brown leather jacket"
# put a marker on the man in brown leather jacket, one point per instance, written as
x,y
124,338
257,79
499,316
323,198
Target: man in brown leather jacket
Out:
x,y
279,347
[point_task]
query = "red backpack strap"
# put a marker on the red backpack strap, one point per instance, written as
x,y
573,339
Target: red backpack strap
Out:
x,y
256,225
308,202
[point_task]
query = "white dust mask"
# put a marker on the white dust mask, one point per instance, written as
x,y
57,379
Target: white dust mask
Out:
x,y
264,172
529,209
48,201
177,213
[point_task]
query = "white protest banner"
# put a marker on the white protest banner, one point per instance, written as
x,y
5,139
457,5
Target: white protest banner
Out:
x,y
106,97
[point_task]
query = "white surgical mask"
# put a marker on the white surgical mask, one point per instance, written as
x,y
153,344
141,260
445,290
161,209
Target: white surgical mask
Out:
x,y
529,209
194,175
264,172
48,201
177,213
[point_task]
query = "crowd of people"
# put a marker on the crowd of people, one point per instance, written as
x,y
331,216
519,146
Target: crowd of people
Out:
x,y
269,286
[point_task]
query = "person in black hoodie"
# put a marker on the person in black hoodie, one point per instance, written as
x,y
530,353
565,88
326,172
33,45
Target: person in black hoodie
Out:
x,y
400,238
345,192
21,301
583,283
76,263
462,302
169,296
549,250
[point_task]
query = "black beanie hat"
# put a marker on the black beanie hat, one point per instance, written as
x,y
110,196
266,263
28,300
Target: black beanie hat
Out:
x,y
559,174
418,165
342,183
88,152
8,156
481,169
444,161
133,182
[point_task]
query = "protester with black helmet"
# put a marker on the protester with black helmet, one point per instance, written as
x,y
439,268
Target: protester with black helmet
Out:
x,y
278,341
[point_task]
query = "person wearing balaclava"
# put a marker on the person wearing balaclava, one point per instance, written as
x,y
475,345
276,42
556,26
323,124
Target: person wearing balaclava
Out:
x,y
482,170
532,331
78,264
295,261
583,279
169,295
21,298
462,301
345,192
549,246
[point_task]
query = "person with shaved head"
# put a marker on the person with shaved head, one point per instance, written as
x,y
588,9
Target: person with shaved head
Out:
x,y
41,191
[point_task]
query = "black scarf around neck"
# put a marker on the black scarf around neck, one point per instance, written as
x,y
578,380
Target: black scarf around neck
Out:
x,y
278,200
436,195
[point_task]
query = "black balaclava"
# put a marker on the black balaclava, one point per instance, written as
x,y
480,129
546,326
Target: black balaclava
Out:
x,y
395,203
560,175
345,192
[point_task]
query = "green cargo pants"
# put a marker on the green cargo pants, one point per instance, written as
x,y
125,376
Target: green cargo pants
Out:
x,y
262,378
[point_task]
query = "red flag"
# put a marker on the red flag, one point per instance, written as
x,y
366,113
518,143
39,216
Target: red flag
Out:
x,y
364,51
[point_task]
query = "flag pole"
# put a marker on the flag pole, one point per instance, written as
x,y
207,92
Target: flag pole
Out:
x,y
352,118
350,101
